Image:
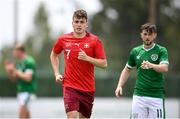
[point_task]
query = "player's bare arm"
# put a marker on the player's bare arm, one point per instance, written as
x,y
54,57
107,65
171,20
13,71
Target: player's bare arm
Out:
x,y
162,68
10,68
102,63
26,76
14,73
55,64
122,80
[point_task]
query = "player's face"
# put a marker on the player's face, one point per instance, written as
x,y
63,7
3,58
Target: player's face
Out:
x,y
79,25
16,54
148,39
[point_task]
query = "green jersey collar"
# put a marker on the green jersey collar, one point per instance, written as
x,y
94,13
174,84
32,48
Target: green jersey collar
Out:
x,y
149,48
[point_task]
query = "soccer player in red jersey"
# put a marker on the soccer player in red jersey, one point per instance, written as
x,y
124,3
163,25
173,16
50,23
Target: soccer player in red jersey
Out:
x,y
82,51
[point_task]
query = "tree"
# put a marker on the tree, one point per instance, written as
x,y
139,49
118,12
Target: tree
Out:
x,y
39,42
118,25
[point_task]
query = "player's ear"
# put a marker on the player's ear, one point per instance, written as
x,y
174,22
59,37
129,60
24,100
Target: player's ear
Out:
x,y
155,35
141,34
72,24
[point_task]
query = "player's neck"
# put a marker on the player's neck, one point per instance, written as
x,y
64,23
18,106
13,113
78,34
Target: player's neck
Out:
x,y
23,56
79,35
149,46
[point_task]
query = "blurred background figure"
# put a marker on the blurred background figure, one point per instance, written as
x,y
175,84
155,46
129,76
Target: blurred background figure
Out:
x,y
24,72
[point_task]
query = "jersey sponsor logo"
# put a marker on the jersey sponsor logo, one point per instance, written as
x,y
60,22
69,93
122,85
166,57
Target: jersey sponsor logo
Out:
x,y
86,45
76,44
66,106
138,57
154,57
68,44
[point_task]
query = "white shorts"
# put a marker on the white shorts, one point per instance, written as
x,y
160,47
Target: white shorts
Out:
x,y
24,98
147,107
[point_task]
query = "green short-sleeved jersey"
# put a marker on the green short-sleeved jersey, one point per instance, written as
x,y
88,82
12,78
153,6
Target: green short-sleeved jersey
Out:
x,y
149,82
27,65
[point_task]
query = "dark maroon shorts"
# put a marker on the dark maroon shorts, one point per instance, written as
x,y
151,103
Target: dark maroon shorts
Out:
x,y
78,100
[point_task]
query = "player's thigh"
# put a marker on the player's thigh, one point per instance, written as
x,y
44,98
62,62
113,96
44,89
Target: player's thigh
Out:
x,y
156,108
139,109
86,104
24,98
71,102
86,109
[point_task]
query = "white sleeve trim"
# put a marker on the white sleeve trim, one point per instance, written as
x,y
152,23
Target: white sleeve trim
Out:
x,y
29,71
164,62
130,67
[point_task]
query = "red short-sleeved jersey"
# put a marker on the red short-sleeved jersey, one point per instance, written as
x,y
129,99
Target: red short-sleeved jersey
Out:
x,y
79,74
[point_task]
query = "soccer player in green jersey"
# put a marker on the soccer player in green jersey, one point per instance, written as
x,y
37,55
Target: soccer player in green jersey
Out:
x,y
151,61
24,72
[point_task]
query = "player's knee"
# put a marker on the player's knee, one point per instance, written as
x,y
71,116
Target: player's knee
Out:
x,y
24,108
72,114
81,116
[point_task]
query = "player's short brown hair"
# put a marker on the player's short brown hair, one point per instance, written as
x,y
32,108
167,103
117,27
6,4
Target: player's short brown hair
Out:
x,y
80,14
19,47
149,27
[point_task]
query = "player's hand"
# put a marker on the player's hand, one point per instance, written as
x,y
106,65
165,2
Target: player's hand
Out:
x,y
59,78
82,55
146,65
118,91
9,66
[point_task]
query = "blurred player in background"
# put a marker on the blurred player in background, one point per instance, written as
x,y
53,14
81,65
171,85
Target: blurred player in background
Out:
x,y
82,51
24,72
151,61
